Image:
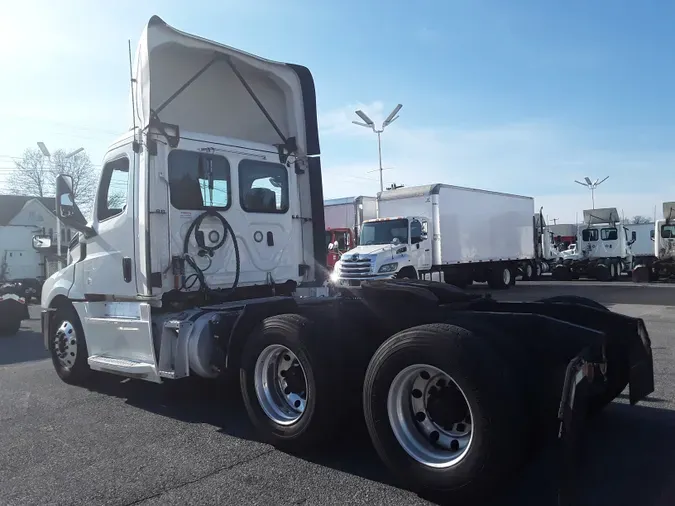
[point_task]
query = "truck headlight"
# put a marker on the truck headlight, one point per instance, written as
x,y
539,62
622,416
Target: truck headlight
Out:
x,y
389,267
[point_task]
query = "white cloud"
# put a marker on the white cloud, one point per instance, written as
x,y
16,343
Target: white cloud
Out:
x,y
535,158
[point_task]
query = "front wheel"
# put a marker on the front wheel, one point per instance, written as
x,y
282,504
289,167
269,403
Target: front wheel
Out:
x,y
67,346
443,411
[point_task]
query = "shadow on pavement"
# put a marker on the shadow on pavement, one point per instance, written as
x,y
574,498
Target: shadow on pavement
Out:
x,y
627,455
25,346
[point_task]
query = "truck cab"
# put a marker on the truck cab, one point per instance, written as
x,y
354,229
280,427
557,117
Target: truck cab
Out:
x,y
395,247
338,241
213,194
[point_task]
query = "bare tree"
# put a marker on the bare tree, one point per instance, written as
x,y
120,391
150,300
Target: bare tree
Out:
x,y
35,175
637,220
31,175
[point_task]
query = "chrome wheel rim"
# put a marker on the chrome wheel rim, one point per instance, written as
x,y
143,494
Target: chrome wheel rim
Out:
x,y
280,384
65,345
430,416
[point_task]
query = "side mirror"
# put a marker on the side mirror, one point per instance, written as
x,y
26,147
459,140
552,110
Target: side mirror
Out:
x,y
65,206
42,242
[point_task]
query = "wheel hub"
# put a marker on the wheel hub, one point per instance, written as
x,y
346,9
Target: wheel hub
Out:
x,y
65,344
280,384
430,416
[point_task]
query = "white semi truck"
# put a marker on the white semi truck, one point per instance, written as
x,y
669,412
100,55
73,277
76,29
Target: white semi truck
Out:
x,y
204,258
603,249
662,263
465,234
547,252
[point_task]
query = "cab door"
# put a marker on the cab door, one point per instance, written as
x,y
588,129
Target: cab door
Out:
x,y
420,244
107,266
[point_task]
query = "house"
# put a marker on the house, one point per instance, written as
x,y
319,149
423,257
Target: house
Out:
x,y
21,217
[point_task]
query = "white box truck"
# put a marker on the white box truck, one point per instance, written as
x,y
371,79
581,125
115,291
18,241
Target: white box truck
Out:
x,y
467,234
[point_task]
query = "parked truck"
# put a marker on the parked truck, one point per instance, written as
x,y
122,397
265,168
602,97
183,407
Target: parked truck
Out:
x,y
603,249
204,257
13,308
546,250
343,218
642,248
661,265
466,234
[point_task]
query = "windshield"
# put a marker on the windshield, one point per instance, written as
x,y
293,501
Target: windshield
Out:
x,y
384,232
668,231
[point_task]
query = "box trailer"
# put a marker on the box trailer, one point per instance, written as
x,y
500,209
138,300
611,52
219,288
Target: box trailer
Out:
x,y
467,234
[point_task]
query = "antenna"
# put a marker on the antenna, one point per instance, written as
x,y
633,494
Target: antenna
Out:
x,y
132,81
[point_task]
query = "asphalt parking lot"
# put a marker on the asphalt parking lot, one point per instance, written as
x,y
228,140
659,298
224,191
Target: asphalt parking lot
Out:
x,y
126,442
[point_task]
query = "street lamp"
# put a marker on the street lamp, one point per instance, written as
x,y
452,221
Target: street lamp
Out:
x,y
46,153
591,186
369,123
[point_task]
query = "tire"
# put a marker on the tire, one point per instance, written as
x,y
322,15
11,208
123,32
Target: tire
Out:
x,y
500,278
304,425
528,272
407,273
561,273
641,274
602,272
69,359
10,328
496,444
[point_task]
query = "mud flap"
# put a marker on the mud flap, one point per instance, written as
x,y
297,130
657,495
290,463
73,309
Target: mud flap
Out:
x,y
572,415
641,378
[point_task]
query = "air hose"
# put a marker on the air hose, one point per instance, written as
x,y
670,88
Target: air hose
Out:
x,y
195,227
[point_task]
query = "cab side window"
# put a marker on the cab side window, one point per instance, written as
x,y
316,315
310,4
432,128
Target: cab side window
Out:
x,y
114,189
415,232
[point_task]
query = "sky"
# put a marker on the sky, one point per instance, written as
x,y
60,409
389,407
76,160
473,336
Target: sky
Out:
x,y
520,96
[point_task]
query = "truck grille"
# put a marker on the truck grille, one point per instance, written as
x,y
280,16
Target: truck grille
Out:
x,y
355,268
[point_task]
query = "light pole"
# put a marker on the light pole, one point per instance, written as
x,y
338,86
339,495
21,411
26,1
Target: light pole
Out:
x,y
369,123
591,186
48,155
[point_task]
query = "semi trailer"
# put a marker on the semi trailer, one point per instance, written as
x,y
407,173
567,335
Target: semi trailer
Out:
x,y
204,257
603,250
344,217
466,234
